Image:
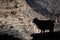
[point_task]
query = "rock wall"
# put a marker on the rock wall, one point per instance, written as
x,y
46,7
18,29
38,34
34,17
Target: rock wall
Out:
x,y
16,20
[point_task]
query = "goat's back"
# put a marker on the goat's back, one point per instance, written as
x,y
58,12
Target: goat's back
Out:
x,y
44,24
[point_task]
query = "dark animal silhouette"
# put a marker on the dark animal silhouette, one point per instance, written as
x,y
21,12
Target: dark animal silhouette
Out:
x,y
44,24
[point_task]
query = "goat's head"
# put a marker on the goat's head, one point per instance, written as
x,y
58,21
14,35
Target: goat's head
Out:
x,y
35,20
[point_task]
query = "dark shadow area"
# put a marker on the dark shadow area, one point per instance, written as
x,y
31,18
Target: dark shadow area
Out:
x,y
46,36
39,8
8,37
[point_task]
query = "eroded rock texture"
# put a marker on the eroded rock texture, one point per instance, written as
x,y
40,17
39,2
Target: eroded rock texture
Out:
x,y
16,18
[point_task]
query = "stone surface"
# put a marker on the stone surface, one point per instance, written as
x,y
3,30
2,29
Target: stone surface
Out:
x,y
16,19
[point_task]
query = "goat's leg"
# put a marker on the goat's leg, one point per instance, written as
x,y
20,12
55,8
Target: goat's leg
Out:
x,y
44,31
41,31
51,30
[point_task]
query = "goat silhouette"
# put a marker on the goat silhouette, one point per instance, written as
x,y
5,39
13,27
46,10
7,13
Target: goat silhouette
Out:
x,y
44,24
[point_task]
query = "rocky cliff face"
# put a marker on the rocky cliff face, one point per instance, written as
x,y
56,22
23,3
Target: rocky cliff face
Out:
x,y
48,8
16,19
